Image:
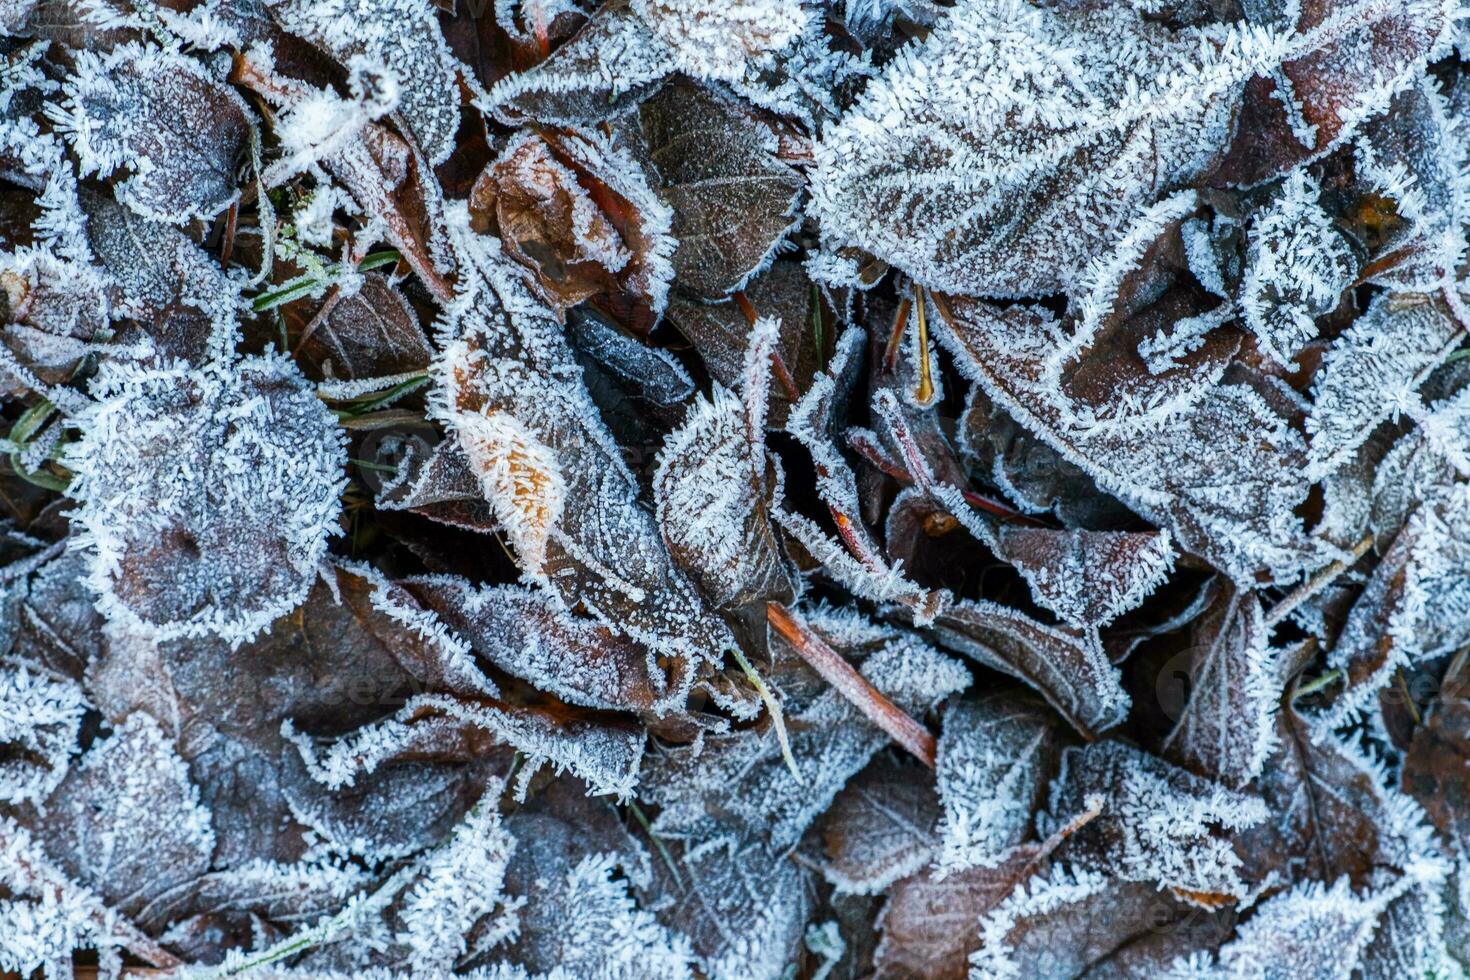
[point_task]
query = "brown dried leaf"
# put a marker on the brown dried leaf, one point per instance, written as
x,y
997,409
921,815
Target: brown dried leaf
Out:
x,y
576,211
372,333
1069,670
715,166
879,828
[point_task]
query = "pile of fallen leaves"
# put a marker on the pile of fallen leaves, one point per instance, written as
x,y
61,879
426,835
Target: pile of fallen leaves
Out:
x,y
734,488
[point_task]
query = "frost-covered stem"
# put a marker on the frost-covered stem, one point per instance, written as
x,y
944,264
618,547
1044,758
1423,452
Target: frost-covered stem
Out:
x,y
861,444
851,685
1317,583
783,373
778,719
332,929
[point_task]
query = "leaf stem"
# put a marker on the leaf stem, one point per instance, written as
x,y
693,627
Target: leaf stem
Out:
x,y
851,685
778,719
924,394
1316,684
1317,583
658,843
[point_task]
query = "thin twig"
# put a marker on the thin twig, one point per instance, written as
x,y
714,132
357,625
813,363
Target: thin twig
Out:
x,y
778,363
851,685
778,719
1317,583
658,842
859,442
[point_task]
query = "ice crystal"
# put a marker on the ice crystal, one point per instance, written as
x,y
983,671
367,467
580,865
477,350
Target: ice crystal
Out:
x,y
1298,267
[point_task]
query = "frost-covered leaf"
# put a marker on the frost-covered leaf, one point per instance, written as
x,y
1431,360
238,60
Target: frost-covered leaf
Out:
x,y
1037,133
126,821
1228,728
575,210
604,756
1313,930
1224,474
1422,467
391,180
1298,267
514,396
406,805
1158,824
1372,372
629,46
720,332
179,297
739,783
53,623
437,483
856,561
715,166
54,310
456,886
712,493
402,37
1414,154
527,634
715,40
1089,578
611,63
743,906
880,828
159,115
1332,813
574,868
1341,64
284,893
207,496
1416,605
48,916
930,925
996,756
1436,759
1067,922
1000,155
1071,671
653,374
371,333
